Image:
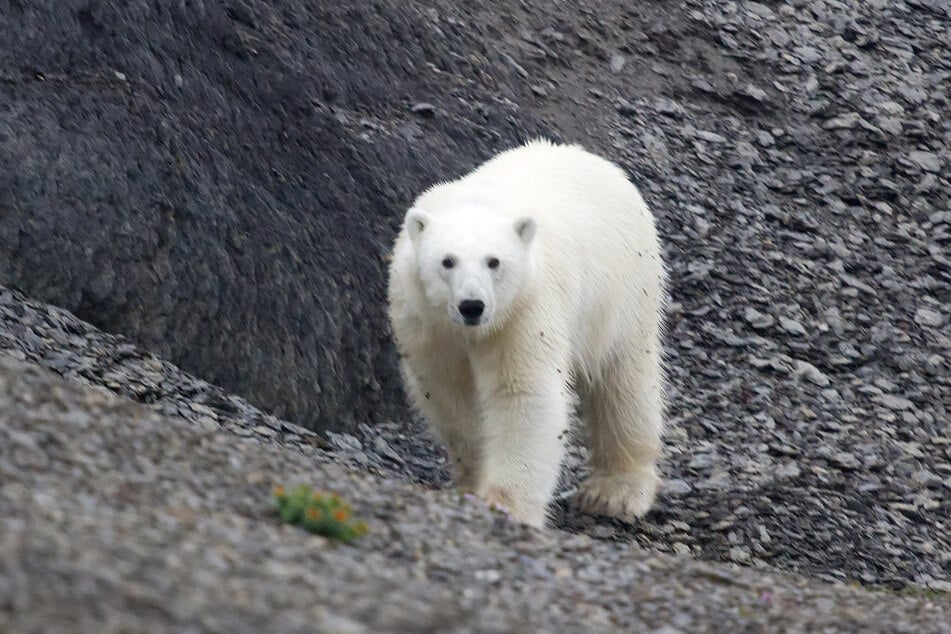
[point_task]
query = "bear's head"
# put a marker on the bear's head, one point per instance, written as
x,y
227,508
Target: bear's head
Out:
x,y
472,262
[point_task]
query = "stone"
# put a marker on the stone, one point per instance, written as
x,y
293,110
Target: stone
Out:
x,y
928,161
929,317
617,63
740,554
669,107
753,92
843,122
804,369
676,487
710,137
897,403
792,326
758,320
423,109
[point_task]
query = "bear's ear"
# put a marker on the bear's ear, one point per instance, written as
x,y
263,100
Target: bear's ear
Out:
x,y
525,228
416,222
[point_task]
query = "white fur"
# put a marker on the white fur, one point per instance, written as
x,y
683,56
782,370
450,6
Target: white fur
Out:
x,y
575,306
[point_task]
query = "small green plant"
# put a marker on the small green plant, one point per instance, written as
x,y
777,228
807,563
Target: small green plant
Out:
x,y
322,513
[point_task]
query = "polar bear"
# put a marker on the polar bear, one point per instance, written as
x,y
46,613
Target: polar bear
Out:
x,y
533,280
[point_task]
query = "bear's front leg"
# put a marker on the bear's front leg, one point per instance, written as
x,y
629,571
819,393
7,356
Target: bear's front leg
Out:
x,y
445,398
525,414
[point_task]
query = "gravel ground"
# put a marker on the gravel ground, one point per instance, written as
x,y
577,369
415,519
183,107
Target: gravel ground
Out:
x,y
796,155
116,518
156,518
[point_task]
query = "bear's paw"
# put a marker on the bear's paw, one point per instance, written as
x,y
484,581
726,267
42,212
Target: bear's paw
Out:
x,y
626,496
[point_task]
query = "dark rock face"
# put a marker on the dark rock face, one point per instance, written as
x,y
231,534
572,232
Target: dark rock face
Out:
x,y
222,181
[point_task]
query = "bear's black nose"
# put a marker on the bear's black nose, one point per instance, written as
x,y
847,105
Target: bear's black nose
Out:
x,y
471,310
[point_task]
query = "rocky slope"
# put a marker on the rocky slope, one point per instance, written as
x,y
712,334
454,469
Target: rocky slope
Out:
x,y
228,178
61,454
117,518
810,138
795,153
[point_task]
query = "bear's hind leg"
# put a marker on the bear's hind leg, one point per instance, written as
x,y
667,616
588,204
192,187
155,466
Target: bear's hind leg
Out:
x,y
624,410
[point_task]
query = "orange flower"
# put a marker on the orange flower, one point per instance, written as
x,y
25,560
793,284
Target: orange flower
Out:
x,y
341,515
313,513
279,491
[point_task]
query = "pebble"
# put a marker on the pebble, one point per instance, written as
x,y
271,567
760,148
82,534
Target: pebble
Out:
x,y
845,460
617,63
897,403
757,94
423,109
710,137
792,326
669,107
676,486
804,369
928,161
740,554
789,470
930,318
758,320
844,122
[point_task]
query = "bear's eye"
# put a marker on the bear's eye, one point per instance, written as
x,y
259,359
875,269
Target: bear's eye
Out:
x,y
448,262
493,263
